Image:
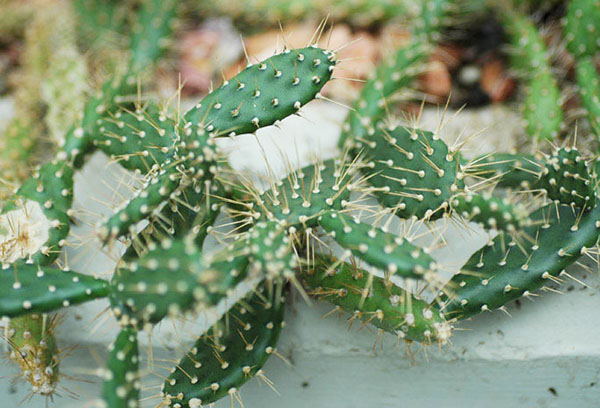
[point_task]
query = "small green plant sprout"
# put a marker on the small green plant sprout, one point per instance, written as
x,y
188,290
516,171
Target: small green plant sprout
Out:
x,y
33,347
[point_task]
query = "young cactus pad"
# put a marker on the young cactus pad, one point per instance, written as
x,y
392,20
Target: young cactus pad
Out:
x,y
264,93
29,288
504,270
377,301
121,379
229,354
378,248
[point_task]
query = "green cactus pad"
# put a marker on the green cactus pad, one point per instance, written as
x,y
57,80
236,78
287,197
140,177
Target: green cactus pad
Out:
x,y
582,27
504,270
542,107
35,222
567,179
488,211
588,82
34,289
378,248
263,93
151,31
33,347
121,388
229,354
529,53
162,282
414,171
377,301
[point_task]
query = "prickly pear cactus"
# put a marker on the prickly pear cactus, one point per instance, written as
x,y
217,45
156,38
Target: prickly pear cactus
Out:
x,y
327,230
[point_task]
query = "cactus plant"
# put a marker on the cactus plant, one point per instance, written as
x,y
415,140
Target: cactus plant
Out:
x,y
283,231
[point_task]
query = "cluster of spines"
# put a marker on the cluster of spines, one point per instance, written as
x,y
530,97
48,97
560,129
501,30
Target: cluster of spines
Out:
x,y
299,199
566,178
506,170
191,211
489,211
414,170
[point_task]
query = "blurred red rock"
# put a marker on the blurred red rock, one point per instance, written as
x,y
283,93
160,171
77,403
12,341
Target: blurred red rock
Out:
x,y
436,79
450,54
203,52
495,81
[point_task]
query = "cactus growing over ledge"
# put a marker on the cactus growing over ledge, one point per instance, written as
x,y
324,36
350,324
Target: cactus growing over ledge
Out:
x,y
286,233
